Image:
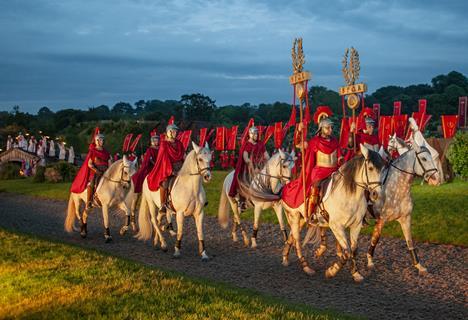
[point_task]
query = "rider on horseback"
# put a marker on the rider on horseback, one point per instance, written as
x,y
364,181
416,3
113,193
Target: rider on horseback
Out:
x,y
169,161
322,158
252,156
98,162
149,160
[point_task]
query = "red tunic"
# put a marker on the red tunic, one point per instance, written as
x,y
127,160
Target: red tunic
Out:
x,y
149,160
292,193
370,139
85,174
169,153
256,155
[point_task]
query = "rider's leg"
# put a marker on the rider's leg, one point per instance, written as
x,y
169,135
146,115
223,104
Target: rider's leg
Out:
x,y
90,193
312,203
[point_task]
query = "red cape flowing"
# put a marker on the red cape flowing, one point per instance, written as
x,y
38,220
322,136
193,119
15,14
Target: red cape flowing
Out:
x,y
149,160
292,193
168,154
256,153
85,174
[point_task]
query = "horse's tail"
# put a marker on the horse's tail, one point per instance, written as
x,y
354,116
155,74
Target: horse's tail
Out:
x,y
71,215
312,235
144,221
223,209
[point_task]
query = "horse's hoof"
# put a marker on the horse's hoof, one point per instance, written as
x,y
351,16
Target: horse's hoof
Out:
x,y
357,277
108,239
254,243
332,271
308,270
320,251
234,237
285,262
123,230
164,248
172,233
204,257
421,270
370,265
176,254
134,227
83,234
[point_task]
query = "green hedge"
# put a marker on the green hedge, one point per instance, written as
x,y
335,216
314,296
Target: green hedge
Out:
x,y
458,154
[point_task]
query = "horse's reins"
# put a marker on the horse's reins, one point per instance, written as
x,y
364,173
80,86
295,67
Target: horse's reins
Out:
x,y
367,185
281,176
200,171
121,181
425,171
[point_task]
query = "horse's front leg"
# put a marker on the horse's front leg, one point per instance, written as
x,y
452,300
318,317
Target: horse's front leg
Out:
x,y
354,235
323,243
158,235
201,240
296,226
374,241
405,222
83,219
257,212
340,235
126,226
105,218
237,220
180,230
133,209
279,214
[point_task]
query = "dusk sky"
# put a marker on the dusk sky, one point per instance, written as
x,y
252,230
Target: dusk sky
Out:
x,y
79,54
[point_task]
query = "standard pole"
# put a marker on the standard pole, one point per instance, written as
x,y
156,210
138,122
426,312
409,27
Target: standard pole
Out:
x,y
301,100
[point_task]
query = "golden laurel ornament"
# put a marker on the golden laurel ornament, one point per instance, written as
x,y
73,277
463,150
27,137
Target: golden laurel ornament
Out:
x,y
352,101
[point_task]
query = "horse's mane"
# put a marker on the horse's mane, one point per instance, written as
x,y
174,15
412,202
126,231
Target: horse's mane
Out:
x,y
352,167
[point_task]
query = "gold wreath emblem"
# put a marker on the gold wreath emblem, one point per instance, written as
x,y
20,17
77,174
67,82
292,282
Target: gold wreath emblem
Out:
x,y
352,68
352,101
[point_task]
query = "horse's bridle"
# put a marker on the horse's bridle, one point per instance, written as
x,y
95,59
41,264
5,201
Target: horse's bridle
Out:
x,y
425,171
368,184
122,180
200,171
284,179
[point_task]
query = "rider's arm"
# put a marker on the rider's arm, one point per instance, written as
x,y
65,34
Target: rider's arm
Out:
x,y
245,156
91,165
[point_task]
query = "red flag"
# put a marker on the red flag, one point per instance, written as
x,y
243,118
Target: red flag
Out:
x,y
209,136
385,129
184,137
344,133
245,133
399,124
292,117
126,143
397,108
307,118
278,134
171,120
376,110
134,143
268,133
462,111
232,138
449,125
422,105
220,138
202,136
261,131
421,119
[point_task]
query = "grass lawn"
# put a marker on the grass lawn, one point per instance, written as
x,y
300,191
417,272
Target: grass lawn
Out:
x,y
47,280
440,214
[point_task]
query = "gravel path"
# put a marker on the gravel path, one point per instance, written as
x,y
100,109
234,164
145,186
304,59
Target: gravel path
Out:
x,y
392,291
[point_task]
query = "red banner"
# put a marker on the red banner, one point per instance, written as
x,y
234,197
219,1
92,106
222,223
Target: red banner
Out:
x,y
278,134
422,103
292,117
397,108
268,133
184,137
385,129
126,143
376,110
202,136
344,133
245,133
449,125
421,119
462,111
209,136
220,138
399,124
134,143
231,138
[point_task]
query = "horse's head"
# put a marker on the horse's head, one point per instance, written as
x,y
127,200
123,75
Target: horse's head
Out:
x,y
127,169
370,172
424,165
203,161
281,164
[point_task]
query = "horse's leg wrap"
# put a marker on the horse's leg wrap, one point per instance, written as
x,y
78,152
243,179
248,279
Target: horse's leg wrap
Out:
x,y
353,261
178,243
303,262
323,239
285,235
201,246
254,233
170,226
128,220
107,232
132,218
414,256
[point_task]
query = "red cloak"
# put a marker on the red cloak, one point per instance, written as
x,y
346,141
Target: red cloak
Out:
x,y
292,193
149,160
169,153
85,174
371,139
256,154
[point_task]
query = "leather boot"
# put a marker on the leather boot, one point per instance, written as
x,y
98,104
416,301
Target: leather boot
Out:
x,y
163,198
311,204
90,193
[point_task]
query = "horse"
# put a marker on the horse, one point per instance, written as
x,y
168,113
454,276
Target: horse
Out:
x,y
112,191
344,204
129,205
275,174
397,204
188,198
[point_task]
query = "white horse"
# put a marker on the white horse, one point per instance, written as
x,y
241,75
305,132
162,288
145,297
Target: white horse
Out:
x,y
111,191
188,198
275,174
398,203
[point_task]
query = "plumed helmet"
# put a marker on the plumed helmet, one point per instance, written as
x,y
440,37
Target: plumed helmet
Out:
x,y
253,130
172,127
322,112
99,136
370,121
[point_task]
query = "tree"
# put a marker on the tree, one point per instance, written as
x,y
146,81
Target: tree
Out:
x,y
197,107
122,108
44,112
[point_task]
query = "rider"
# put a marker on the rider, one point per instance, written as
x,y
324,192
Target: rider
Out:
x,y
322,158
168,162
98,162
252,155
368,136
149,160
